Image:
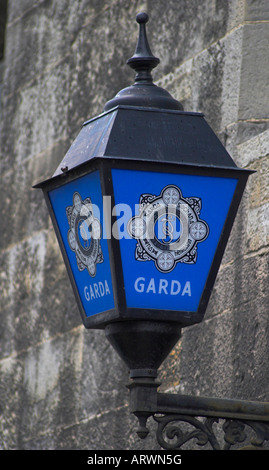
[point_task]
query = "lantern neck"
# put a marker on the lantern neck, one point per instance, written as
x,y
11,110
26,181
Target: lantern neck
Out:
x,y
143,92
143,344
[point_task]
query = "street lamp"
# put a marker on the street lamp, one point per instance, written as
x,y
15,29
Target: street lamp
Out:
x,y
142,205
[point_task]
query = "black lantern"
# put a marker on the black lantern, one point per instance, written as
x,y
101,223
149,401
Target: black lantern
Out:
x,y
143,204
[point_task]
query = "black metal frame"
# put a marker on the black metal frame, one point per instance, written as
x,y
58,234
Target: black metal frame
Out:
x,y
121,311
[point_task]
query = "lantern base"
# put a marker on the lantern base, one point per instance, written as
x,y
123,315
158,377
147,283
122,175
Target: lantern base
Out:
x,y
143,345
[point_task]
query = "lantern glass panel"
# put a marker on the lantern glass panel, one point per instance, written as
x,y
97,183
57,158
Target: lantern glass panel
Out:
x,y
78,210
170,235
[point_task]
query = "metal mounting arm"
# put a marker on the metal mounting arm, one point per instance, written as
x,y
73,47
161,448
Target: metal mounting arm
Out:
x,y
181,418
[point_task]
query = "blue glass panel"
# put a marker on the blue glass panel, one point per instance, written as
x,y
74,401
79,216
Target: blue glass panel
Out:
x,y
78,208
169,237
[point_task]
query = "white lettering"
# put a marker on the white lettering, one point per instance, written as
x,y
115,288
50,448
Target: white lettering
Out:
x,y
124,213
151,286
96,290
99,460
92,293
162,286
101,289
139,287
86,293
175,287
187,289
157,459
107,288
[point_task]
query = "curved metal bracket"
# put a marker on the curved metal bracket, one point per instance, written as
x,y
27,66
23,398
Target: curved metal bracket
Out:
x,y
218,424
172,435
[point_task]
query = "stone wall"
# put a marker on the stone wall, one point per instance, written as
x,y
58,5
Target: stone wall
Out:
x,y
62,387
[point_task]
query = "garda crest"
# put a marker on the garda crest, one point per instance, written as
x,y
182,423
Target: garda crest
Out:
x,y
84,234
168,228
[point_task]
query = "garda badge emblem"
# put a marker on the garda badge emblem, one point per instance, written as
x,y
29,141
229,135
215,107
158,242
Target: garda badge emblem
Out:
x,y
84,234
168,228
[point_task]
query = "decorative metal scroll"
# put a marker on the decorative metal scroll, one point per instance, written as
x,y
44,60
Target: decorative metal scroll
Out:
x,y
172,433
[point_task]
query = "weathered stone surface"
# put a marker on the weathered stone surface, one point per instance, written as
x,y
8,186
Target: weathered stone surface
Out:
x,y
227,355
210,81
185,33
255,11
61,386
254,90
253,149
44,121
11,374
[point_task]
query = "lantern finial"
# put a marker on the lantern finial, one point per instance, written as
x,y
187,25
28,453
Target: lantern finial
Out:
x,y
143,61
143,92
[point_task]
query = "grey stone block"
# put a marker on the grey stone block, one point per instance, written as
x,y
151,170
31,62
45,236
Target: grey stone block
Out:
x,y
256,10
254,89
186,29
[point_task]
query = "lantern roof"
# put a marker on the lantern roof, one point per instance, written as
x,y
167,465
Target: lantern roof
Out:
x,y
149,134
